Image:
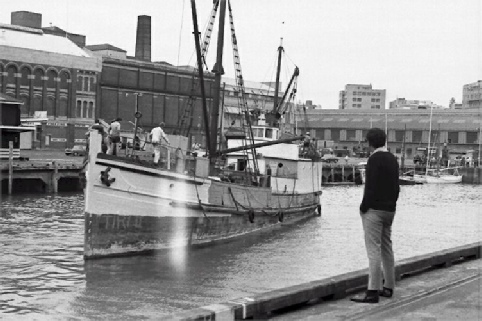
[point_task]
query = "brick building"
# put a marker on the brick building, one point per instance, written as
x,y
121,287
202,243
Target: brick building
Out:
x,y
49,73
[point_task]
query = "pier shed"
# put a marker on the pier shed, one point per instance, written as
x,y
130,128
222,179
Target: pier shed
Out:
x,y
10,126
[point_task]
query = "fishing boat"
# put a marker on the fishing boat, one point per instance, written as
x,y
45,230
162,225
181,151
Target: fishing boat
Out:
x,y
257,183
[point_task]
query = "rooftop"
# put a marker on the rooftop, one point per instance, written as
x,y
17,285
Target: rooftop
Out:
x,y
104,46
35,39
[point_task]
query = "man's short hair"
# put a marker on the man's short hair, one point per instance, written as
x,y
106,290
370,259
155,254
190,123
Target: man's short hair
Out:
x,y
161,124
376,137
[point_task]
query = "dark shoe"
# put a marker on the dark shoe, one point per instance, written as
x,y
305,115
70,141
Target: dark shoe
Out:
x,y
371,296
386,292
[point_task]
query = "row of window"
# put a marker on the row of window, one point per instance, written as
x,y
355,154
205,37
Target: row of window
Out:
x,y
86,83
366,93
84,109
471,137
375,107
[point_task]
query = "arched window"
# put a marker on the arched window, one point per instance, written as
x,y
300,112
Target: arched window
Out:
x,y
11,71
78,109
64,77
91,109
24,81
37,80
51,74
84,109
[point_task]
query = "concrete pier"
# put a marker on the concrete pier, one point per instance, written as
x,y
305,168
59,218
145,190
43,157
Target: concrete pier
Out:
x,y
456,269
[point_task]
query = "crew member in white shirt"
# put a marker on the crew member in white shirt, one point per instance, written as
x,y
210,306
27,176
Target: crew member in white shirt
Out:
x,y
156,135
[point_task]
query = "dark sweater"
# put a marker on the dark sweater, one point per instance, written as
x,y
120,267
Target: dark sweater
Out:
x,y
381,183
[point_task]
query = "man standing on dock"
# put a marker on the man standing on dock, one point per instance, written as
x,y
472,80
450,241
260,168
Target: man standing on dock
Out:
x,y
156,135
377,211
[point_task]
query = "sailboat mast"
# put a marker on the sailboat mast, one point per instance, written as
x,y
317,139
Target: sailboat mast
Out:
x,y
428,147
278,71
218,71
201,74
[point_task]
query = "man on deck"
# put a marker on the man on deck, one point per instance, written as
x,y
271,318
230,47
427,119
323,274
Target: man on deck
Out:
x,y
156,135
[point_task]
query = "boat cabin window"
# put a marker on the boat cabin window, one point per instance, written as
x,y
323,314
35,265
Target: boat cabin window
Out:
x,y
258,132
269,133
241,165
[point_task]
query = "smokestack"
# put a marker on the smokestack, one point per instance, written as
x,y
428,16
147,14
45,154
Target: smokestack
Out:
x,y
143,38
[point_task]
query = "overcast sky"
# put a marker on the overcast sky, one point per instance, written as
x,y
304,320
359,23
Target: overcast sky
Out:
x,y
416,49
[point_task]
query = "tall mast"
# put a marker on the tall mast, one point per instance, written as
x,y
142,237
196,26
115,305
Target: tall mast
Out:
x,y
428,147
278,71
218,71
201,76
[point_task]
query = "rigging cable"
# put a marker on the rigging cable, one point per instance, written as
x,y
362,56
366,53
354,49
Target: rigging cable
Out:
x,y
180,32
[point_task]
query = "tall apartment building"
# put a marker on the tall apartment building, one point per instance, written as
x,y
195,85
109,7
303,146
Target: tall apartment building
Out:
x,y
472,95
402,103
362,97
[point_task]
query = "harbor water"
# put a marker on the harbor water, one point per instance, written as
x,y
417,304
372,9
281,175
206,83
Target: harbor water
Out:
x,y
44,276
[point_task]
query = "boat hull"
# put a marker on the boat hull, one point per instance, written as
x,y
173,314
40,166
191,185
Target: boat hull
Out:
x,y
132,207
115,235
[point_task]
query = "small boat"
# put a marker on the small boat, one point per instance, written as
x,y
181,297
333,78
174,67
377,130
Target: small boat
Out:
x,y
440,176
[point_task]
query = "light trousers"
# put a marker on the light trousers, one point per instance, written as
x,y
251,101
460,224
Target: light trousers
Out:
x,y
377,226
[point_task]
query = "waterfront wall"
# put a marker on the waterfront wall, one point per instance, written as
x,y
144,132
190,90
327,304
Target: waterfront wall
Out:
x,y
260,305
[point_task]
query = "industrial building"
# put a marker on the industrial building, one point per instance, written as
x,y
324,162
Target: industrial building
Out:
x,y
346,129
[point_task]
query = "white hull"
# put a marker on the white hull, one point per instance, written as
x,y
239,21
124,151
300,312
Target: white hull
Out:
x,y
132,207
442,179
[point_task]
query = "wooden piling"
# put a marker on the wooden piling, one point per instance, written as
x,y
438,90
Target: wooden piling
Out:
x,y
10,167
55,181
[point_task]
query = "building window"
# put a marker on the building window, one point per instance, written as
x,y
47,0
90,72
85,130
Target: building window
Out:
x,y
86,84
472,137
416,136
453,138
78,109
320,133
351,135
79,83
335,135
399,135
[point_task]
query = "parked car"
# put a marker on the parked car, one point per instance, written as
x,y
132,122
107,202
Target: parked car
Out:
x,y
329,158
77,150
